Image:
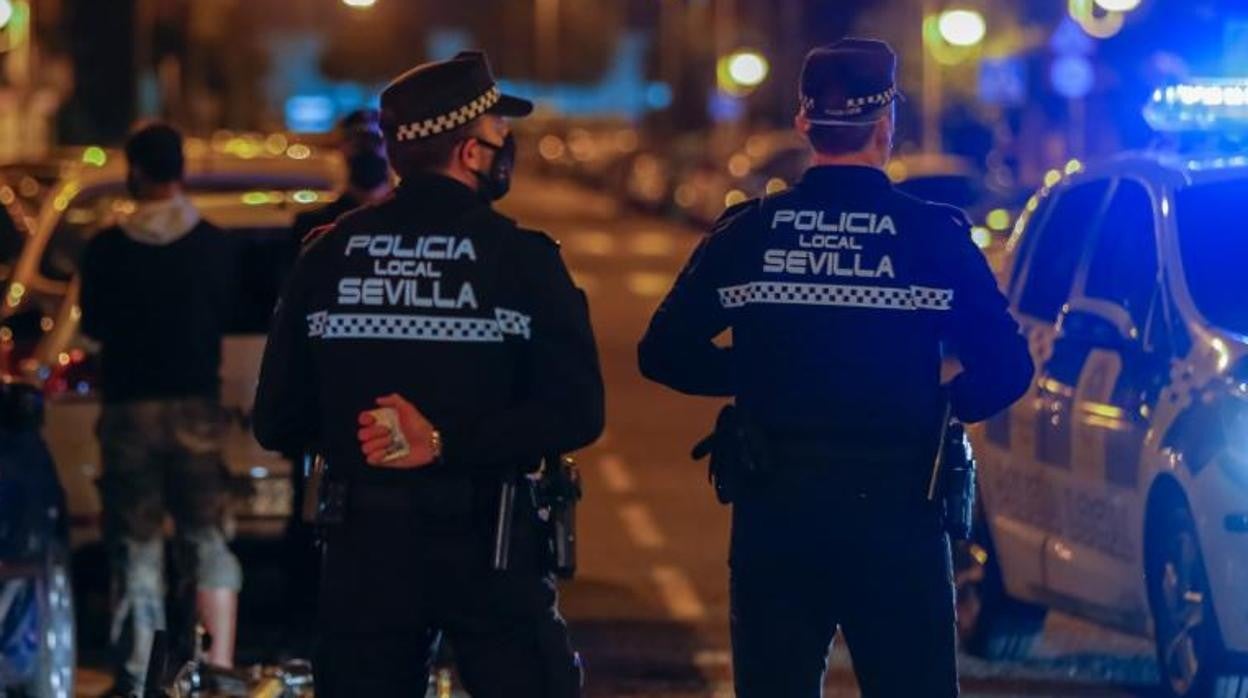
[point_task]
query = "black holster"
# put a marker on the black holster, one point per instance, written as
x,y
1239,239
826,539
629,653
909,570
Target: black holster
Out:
x,y
738,454
953,481
324,494
556,492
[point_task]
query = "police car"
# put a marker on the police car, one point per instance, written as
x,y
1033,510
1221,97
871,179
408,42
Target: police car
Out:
x,y
1117,490
250,187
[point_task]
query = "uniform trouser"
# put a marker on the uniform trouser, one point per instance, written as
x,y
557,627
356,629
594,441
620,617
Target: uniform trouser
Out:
x,y
161,458
394,583
806,562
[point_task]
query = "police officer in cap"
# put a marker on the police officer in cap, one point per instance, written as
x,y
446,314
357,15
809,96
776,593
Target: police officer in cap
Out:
x,y
368,174
471,330
840,294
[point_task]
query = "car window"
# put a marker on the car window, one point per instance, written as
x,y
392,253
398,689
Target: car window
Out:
x,y
1123,269
1034,222
88,213
1059,246
96,208
1213,244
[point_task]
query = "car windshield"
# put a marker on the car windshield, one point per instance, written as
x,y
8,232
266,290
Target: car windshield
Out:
x,y
100,206
1214,251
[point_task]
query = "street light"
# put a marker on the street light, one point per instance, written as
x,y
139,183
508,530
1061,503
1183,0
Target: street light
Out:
x,y
748,68
359,4
964,27
1117,5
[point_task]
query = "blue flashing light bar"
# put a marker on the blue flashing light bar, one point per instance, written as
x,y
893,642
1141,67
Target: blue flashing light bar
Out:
x,y
1200,105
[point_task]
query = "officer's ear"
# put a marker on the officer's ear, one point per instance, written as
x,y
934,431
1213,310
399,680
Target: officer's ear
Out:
x,y
802,124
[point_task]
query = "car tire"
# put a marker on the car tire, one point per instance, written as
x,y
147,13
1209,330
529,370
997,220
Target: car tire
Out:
x,y
991,624
1185,629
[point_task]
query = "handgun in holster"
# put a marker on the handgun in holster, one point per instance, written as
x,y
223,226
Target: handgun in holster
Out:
x,y
738,454
953,479
324,494
555,489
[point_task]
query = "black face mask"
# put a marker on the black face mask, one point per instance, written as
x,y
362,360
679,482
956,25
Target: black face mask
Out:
x,y
495,184
368,170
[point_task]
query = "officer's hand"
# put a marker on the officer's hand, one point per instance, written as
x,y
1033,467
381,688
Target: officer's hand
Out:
x,y
375,439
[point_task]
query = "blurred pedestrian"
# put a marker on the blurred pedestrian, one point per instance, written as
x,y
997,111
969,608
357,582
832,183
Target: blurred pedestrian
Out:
x,y
469,334
368,172
156,295
839,294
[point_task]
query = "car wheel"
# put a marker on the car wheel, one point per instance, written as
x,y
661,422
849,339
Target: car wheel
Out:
x,y
991,624
1189,643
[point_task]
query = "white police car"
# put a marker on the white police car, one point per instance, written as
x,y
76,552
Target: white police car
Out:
x,y
1117,490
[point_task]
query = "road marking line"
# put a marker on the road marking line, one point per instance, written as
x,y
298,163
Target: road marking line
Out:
x,y
615,474
678,593
641,526
652,244
649,284
712,658
593,242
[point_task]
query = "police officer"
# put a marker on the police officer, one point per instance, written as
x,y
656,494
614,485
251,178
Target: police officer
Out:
x,y
839,294
432,304
368,173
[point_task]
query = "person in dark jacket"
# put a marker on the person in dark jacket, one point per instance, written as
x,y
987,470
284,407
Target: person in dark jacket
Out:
x,y
471,330
840,294
368,173
156,294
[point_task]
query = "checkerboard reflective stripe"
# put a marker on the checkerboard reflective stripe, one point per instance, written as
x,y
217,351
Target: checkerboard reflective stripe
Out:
x,y
514,323
886,297
425,328
446,122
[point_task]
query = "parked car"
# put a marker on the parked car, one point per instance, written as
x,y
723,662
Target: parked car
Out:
x,y
254,198
1118,489
36,603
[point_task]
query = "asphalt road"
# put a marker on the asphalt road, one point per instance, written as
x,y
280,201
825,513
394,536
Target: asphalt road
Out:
x,y
649,608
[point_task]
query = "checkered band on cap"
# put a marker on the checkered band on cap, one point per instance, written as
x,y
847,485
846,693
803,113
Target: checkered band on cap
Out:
x,y
880,297
447,122
854,106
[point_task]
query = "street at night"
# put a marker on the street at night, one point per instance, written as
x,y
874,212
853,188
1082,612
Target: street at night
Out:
x,y
355,348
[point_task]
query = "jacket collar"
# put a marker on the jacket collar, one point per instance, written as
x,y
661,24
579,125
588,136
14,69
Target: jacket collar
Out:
x,y
435,193
845,176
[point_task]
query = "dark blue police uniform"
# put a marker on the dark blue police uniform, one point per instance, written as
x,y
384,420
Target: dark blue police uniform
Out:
x,y
840,294
433,295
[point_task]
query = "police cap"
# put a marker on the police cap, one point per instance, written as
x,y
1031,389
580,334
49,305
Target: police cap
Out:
x,y
438,97
850,82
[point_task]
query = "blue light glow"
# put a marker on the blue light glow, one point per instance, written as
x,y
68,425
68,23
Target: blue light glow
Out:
x,y
1201,105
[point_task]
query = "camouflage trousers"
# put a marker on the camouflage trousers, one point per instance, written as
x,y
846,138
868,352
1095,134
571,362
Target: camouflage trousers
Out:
x,y
161,458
